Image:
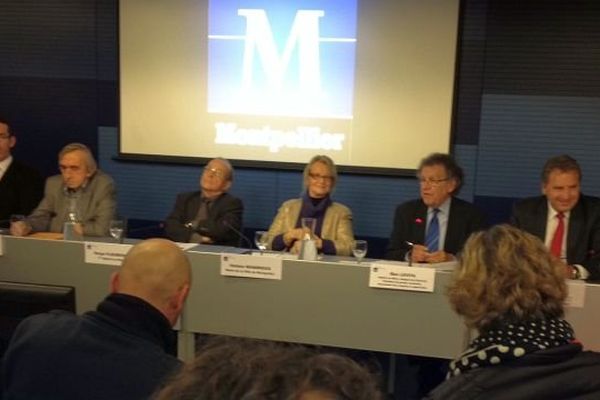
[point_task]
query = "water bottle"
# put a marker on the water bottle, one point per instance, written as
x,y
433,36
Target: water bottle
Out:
x,y
308,249
72,219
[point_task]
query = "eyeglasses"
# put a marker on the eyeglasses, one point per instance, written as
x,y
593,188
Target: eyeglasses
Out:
x,y
432,182
214,172
318,177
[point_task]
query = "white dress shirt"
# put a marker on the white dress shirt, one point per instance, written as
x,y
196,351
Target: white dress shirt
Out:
x,y
4,164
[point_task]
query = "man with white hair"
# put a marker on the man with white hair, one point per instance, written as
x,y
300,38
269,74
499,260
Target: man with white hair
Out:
x,y
81,194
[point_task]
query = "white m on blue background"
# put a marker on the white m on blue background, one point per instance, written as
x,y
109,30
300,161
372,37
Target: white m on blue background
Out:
x,y
282,59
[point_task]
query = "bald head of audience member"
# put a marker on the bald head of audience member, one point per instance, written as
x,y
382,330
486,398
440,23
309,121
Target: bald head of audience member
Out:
x,y
157,271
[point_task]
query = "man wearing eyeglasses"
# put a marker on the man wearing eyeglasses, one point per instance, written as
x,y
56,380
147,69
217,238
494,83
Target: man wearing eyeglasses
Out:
x,y
209,215
435,227
21,187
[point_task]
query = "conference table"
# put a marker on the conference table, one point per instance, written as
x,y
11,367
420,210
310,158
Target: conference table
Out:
x,y
326,302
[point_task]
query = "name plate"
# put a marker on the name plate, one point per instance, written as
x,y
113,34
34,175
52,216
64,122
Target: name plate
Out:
x,y
396,277
251,266
105,253
576,297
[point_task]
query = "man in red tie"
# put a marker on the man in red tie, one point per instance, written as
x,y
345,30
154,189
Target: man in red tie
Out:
x,y
566,220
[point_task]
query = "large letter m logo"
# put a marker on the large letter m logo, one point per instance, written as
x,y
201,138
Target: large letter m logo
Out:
x,y
303,35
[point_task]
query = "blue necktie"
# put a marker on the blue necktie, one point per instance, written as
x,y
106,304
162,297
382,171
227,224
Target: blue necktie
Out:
x,y
432,239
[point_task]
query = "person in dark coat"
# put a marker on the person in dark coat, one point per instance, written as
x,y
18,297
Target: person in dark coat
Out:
x,y
440,179
122,350
510,290
21,187
209,215
566,220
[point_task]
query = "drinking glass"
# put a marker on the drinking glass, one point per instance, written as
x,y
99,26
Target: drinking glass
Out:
x,y
116,229
261,240
359,249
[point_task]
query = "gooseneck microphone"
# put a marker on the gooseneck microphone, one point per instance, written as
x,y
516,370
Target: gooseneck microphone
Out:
x,y
409,252
238,233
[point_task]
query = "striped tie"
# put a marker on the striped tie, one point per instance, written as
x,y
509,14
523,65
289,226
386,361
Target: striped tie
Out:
x,y
432,239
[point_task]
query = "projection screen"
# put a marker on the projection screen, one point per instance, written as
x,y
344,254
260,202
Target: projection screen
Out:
x,y
272,83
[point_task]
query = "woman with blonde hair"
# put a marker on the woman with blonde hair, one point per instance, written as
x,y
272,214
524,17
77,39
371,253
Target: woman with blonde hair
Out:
x,y
333,232
511,290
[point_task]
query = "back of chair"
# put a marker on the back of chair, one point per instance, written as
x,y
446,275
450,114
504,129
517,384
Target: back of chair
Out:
x,y
20,300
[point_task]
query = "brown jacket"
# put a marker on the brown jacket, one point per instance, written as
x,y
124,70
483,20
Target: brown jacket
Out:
x,y
337,224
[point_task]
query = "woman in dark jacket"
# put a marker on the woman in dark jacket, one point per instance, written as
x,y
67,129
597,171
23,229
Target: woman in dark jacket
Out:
x,y
510,290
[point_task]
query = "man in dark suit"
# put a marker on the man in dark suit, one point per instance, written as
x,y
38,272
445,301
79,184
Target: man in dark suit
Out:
x,y
210,215
440,179
566,220
21,187
415,225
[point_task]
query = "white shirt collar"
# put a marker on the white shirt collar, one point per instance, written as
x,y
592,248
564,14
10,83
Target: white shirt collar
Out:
x,y
4,164
552,212
444,207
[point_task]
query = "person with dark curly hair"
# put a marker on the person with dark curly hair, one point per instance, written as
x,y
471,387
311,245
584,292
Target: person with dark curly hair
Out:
x,y
246,369
511,290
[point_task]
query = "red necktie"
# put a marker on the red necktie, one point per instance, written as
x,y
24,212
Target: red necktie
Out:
x,y
557,239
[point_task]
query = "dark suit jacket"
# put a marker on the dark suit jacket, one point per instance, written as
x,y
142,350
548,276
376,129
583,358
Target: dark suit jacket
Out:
x,y
118,352
21,189
563,372
410,222
224,216
583,237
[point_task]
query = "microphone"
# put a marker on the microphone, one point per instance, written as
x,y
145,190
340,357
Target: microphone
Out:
x,y
238,233
409,252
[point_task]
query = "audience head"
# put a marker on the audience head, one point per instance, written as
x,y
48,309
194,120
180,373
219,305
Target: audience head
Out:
x,y
320,176
440,178
216,177
504,275
7,139
157,271
245,369
76,164
561,179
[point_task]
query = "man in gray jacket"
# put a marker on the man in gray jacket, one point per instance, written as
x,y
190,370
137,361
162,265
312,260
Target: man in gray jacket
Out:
x,y
81,194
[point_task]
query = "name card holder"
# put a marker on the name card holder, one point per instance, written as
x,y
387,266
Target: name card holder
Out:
x,y
249,266
397,277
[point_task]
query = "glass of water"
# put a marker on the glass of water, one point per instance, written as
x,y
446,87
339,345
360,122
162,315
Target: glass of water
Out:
x,y
359,249
261,240
116,229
